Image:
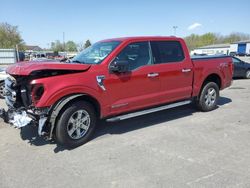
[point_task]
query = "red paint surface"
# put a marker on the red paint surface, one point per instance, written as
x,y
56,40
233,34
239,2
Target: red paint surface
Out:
x,y
129,91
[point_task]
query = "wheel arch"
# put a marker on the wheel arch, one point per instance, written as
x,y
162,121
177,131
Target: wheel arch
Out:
x,y
62,103
248,69
211,78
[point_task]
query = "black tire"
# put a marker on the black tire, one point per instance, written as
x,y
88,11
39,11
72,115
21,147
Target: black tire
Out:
x,y
247,76
206,101
68,121
1,90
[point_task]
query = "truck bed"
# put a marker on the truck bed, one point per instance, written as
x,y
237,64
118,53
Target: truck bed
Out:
x,y
221,64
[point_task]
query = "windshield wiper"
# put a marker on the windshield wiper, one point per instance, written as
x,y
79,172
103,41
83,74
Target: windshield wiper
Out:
x,y
77,61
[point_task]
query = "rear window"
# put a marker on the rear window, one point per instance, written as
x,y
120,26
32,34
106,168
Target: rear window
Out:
x,y
167,51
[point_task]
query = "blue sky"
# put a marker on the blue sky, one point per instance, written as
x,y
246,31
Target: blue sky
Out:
x,y
41,22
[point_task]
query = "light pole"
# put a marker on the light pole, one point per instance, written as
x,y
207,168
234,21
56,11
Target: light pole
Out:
x,y
63,41
175,28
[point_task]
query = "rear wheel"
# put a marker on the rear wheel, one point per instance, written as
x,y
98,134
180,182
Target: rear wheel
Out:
x,y
76,124
248,74
208,98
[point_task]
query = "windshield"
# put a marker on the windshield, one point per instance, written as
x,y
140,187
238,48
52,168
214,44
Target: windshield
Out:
x,y
96,53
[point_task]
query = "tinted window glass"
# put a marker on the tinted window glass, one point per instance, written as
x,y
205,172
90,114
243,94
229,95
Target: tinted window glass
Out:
x,y
167,51
235,61
137,54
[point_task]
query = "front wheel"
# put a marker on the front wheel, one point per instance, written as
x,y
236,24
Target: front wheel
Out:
x,y
208,98
248,74
76,124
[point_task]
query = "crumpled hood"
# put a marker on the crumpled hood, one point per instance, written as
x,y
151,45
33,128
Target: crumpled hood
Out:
x,y
25,68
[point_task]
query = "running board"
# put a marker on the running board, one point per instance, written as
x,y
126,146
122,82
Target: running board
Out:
x,y
148,111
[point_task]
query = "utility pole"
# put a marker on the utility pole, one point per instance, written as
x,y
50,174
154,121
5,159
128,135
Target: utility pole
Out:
x,y
63,41
17,53
175,28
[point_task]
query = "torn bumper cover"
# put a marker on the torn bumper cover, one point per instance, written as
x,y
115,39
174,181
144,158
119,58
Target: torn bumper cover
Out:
x,y
20,118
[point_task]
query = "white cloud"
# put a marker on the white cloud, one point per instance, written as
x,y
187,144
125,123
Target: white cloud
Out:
x,y
194,26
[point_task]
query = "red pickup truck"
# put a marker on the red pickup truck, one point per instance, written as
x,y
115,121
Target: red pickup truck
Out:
x,y
113,79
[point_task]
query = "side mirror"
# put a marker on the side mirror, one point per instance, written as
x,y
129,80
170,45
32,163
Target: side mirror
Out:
x,y
119,66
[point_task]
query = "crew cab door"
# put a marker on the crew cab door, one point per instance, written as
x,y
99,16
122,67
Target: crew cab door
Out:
x,y
139,86
175,70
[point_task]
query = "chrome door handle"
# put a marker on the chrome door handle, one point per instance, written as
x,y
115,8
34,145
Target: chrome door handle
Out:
x,y
186,70
152,75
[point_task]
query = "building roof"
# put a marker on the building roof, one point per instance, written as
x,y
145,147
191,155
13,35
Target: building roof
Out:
x,y
215,46
33,48
243,41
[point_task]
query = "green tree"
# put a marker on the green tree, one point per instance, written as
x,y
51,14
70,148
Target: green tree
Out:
x,y
57,46
71,46
208,39
87,44
194,41
10,36
234,37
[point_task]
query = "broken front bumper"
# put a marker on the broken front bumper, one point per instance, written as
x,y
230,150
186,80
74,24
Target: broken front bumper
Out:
x,y
21,118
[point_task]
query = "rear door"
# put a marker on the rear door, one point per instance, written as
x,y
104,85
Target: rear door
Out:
x,y
175,70
137,88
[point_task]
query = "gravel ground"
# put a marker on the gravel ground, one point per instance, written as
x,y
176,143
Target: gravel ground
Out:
x,y
174,148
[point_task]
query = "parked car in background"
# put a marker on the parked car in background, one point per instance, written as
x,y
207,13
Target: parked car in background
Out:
x,y
44,60
241,68
3,76
232,54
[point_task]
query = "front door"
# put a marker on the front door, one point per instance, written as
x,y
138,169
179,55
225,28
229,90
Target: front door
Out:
x,y
137,88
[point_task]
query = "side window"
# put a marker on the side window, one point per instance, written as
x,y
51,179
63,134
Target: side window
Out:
x,y
137,54
167,51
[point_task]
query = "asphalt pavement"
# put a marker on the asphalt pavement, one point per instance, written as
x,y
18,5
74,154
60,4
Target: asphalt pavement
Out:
x,y
179,147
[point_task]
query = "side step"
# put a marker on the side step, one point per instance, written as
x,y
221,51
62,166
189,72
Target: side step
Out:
x,y
148,111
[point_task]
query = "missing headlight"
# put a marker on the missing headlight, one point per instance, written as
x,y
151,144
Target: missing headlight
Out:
x,y
37,92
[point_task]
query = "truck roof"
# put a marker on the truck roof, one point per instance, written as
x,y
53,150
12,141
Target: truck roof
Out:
x,y
122,39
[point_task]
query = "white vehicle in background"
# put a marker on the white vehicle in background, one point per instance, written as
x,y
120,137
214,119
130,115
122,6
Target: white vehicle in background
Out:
x,y
3,76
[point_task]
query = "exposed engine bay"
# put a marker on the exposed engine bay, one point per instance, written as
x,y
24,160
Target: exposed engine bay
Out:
x,y
21,97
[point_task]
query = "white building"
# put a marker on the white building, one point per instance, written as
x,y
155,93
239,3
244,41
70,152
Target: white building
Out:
x,y
241,47
236,48
8,56
212,49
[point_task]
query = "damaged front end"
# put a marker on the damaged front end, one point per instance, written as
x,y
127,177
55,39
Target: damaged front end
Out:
x,y
23,94
20,97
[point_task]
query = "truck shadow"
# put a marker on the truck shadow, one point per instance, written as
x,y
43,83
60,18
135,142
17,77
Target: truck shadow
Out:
x,y
148,120
104,128
224,100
